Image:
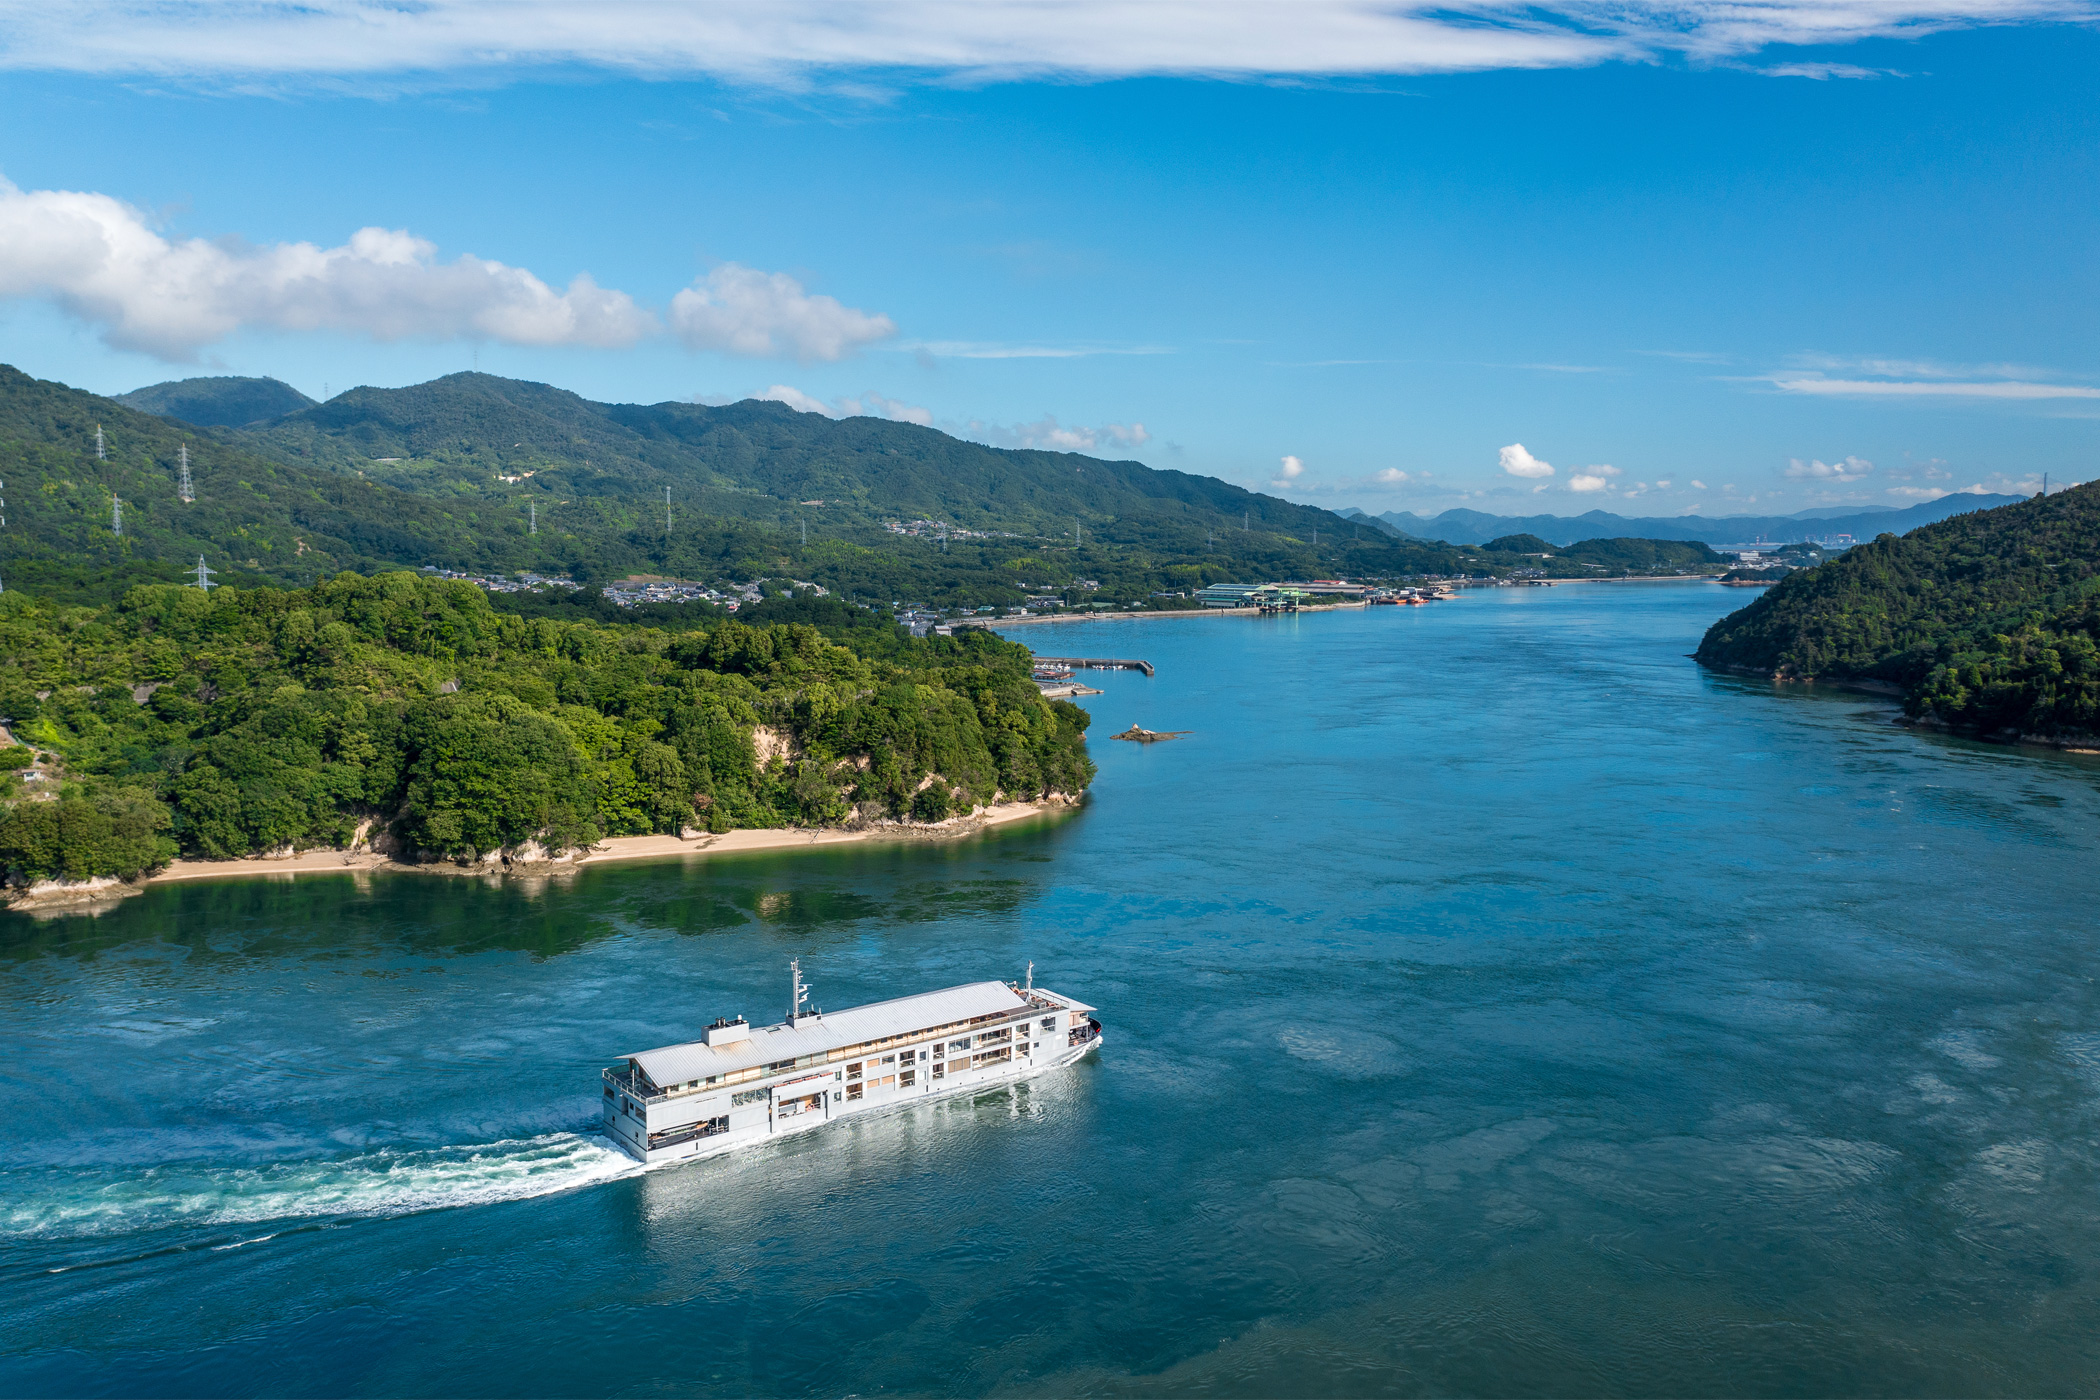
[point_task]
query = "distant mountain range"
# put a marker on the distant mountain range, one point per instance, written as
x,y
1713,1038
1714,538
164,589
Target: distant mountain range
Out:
x,y
1478,527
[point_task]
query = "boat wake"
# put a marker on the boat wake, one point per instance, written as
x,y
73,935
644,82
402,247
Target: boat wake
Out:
x,y
379,1183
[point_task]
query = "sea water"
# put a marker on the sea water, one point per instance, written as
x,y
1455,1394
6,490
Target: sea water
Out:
x,y
1496,1003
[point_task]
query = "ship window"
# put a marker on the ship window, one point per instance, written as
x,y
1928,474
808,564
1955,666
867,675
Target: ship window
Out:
x,y
853,1091
962,1044
908,1077
939,1069
1049,1023
608,1091
889,1059
780,1064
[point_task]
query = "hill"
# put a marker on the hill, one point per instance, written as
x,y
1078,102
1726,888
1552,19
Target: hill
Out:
x,y
1986,620
218,402
1478,527
246,720
294,516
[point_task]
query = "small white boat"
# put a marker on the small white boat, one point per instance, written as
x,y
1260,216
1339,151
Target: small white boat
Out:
x,y
739,1085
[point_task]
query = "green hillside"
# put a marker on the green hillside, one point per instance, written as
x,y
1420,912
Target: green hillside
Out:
x,y
1986,620
222,401
246,720
292,514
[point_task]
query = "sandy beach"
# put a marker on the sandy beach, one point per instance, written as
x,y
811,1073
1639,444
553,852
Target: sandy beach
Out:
x,y
612,848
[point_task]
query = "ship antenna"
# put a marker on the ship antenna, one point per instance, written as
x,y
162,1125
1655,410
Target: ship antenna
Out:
x,y
801,992
1031,975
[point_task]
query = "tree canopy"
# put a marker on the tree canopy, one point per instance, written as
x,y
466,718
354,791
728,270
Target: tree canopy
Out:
x,y
245,720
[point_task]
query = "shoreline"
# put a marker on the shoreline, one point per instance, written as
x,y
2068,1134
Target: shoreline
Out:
x,y
998,623
102,892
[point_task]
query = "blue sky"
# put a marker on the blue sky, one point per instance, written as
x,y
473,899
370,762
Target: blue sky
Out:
x,y
1666,266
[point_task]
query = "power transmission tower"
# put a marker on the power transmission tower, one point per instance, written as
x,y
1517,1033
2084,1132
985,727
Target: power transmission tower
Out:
x,y
183,488
100,453
805,532
1246,521
116,515
204,573
533,508
667,512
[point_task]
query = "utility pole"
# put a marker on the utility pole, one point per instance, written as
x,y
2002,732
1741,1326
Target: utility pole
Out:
x,y
183,487
100,453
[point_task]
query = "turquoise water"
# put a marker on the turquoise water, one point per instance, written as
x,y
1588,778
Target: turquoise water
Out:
x,y
1496,1004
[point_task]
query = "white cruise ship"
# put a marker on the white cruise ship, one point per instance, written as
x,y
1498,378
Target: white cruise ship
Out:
x,y
740,1084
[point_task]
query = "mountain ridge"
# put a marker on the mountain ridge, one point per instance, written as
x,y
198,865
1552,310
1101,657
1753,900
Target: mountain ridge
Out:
x,y
1463,526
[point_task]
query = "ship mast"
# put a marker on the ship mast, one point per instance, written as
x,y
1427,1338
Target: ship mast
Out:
x,y
800,993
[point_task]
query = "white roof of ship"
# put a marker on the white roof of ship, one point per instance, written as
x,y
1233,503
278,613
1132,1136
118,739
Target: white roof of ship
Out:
x,y
833,1030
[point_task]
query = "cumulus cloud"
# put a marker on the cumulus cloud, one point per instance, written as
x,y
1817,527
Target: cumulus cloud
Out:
x,y
791,41
1844,472
1592,479
101,260
1291,469
1392,476
867,405
747,312
1518,462
1050,435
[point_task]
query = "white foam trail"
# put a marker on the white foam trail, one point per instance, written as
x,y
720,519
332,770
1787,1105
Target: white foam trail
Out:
x,y
386,1182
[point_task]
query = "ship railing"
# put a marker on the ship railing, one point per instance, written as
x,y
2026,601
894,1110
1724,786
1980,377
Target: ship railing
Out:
x,y
633,1085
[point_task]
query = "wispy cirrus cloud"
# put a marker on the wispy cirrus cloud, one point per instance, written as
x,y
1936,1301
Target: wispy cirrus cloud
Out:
x,y
1869,377
994,350
796,42
1932,388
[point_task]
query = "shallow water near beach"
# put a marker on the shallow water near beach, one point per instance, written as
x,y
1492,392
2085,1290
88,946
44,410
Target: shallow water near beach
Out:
x,y
1495,1004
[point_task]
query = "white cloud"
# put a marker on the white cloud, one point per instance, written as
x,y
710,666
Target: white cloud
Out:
x,y
867,405
1592,479
1052,436
1392,476
100,260
1518,462
1698,485
789,41
987,350
763,314
1292,469
1932,388
1849,470
1664,484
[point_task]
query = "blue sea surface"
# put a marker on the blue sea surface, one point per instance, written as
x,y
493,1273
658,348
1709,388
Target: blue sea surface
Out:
x,y
1496,1004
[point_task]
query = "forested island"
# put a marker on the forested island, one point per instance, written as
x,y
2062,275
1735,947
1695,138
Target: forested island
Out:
x,y
1987,622
406,709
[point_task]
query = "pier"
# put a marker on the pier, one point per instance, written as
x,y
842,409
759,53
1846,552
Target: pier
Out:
x,y
1094,663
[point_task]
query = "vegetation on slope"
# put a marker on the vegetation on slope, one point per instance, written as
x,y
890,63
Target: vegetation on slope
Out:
x,y
252,719
1986,620
220,401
